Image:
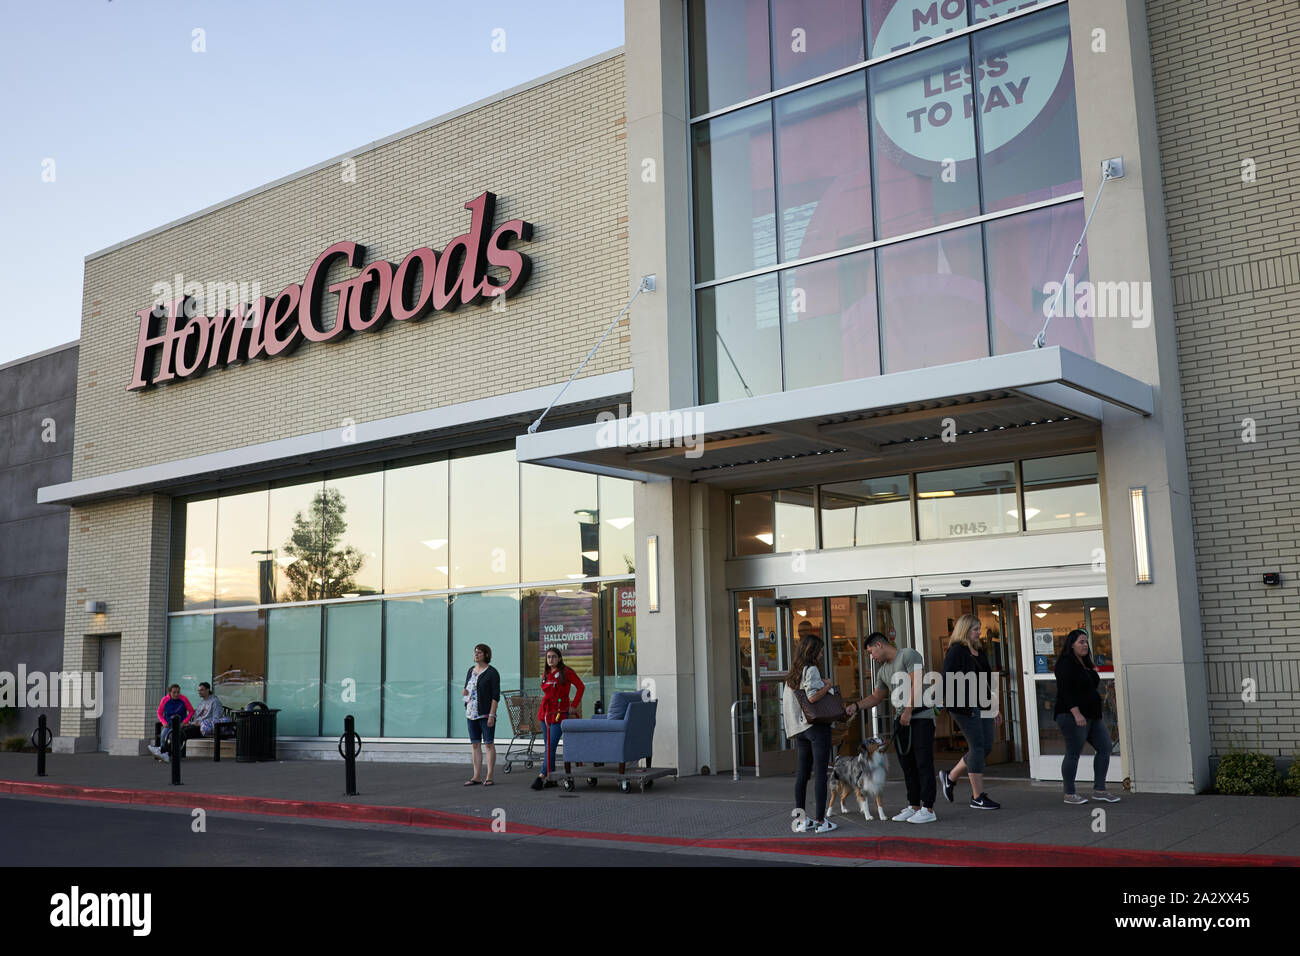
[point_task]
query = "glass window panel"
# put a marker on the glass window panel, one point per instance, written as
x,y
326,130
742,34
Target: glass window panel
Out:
x,y
565,619
189,652
932,300
617,529
1061,492
416,681
967,502
560,523
923,149
981,10
740,339
620,660
814,37
353,534
1029,132
194,554
867,512
899,24
239,658
751,520
831,329
297,539
241,548
729,53
735,206
1028,254
293,642
484,519
415,528
824,167
491,618
795,520
352,654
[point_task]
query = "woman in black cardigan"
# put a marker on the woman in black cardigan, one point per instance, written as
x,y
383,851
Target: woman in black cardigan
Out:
x,y
1078,714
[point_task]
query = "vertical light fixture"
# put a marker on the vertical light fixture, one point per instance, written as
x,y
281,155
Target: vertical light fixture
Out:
x,y
652,572
1137,503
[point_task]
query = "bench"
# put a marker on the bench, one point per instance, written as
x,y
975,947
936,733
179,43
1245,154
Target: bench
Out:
x,y
221,734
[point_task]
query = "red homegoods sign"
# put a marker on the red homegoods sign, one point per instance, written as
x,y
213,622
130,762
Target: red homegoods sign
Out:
x,y
425,281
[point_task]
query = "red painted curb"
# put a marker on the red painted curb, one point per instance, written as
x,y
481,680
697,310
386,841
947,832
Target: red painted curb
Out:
x,y
896,849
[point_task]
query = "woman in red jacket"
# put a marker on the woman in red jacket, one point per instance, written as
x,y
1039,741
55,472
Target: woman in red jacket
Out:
x,y
556,707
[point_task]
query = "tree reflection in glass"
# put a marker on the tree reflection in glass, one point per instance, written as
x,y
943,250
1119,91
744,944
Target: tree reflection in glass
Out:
x,y
320,565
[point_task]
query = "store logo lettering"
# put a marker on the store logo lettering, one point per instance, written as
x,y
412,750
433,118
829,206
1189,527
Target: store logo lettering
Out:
x,y
425,281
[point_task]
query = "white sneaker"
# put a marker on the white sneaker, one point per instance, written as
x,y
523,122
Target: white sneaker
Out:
x,y
166,757
826,827
903,814
156,751
923,816
803,826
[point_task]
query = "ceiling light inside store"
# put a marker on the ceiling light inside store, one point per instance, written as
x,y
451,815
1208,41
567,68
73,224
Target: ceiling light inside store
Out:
x,y
434,544
619,523
766,538
591,555
1040,614
1045,606
801,612
936,494
440,568
575,577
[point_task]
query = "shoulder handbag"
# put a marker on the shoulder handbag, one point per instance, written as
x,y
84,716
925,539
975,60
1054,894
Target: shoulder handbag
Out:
x,y
828,710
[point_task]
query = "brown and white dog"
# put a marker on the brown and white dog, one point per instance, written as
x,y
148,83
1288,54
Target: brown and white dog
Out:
x,y
864,775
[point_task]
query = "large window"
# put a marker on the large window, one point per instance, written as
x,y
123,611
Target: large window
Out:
x,y
803,149
393,574
1059,493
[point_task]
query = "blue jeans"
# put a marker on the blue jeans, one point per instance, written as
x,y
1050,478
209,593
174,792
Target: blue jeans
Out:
x,y
978,732
552,733
1075,736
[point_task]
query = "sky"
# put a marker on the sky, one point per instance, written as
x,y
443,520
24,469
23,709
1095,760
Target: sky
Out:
x,y
115,122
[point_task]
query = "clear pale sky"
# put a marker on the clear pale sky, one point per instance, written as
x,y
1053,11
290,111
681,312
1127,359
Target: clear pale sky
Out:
x,y
143,130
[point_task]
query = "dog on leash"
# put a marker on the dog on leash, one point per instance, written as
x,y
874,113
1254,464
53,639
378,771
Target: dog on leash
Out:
x,y
864,775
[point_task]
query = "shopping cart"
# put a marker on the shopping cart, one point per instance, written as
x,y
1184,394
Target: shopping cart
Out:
x,y
523,720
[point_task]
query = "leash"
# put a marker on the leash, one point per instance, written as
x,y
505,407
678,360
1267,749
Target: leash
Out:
x,y
893,740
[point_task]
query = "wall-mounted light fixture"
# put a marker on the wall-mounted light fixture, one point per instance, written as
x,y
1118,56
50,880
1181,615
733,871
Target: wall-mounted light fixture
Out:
x,y
652,573
1137,502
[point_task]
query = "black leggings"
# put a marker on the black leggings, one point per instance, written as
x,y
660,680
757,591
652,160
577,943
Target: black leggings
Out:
x,y
814,747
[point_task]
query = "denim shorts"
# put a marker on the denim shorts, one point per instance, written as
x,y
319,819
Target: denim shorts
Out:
x,y
479,731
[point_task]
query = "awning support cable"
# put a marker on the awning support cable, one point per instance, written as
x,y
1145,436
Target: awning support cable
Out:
x,y
647,284
1110,169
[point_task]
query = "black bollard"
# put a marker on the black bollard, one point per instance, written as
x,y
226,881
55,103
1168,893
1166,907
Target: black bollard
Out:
x,y
174,749
42,737
600,707
349,747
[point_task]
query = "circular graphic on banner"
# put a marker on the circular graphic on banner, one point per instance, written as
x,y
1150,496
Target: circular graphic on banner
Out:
x,y
927,116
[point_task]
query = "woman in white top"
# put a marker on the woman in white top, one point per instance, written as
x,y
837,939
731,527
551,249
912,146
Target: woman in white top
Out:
x,y
812,741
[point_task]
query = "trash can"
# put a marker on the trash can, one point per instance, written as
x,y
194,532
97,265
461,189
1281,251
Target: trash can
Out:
x,y
255,737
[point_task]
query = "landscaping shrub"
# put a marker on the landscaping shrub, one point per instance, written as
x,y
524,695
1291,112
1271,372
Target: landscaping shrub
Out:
x,y
1248,773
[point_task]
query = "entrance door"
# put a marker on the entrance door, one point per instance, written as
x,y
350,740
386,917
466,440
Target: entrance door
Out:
x,y
1047,617
997,614
769,664
110,663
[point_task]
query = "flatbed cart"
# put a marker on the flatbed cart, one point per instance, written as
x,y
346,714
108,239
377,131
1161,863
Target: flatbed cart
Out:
x,y
627,777
523,722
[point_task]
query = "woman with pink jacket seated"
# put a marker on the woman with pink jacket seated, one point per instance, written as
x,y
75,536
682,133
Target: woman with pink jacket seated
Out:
x,y
173,703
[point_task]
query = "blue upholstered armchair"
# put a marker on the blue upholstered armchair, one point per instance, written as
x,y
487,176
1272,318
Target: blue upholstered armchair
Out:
x,y
622,736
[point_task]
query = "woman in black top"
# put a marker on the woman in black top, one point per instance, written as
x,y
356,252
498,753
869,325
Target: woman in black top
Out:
x,y
967,671
1078,714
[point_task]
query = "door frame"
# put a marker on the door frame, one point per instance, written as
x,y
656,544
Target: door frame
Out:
x,y
1048,766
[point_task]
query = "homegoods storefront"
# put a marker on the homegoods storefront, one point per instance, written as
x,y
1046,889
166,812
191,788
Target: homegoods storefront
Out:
x,y
295,474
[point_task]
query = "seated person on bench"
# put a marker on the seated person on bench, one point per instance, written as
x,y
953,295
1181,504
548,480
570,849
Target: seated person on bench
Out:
x,y
209,711
173,703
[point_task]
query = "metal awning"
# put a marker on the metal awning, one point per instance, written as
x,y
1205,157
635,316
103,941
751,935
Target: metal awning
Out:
x,y
1000,401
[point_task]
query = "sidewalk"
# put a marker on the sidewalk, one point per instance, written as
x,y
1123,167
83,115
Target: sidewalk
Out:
x,y
1033,828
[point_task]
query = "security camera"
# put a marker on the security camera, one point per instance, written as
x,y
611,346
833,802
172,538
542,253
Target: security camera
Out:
x,y
965,582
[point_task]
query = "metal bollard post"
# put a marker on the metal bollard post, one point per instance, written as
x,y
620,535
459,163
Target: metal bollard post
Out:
x,y
349,747
174,749
42,737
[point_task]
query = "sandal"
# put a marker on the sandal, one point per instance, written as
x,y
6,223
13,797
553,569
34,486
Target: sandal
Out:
x,y
489,783
471,783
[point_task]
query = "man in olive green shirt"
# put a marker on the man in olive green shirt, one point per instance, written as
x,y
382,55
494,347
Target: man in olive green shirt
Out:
x,y
914,728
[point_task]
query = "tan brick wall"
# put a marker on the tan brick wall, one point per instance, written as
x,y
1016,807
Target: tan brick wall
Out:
x,y
1226,81
117,552
553,154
